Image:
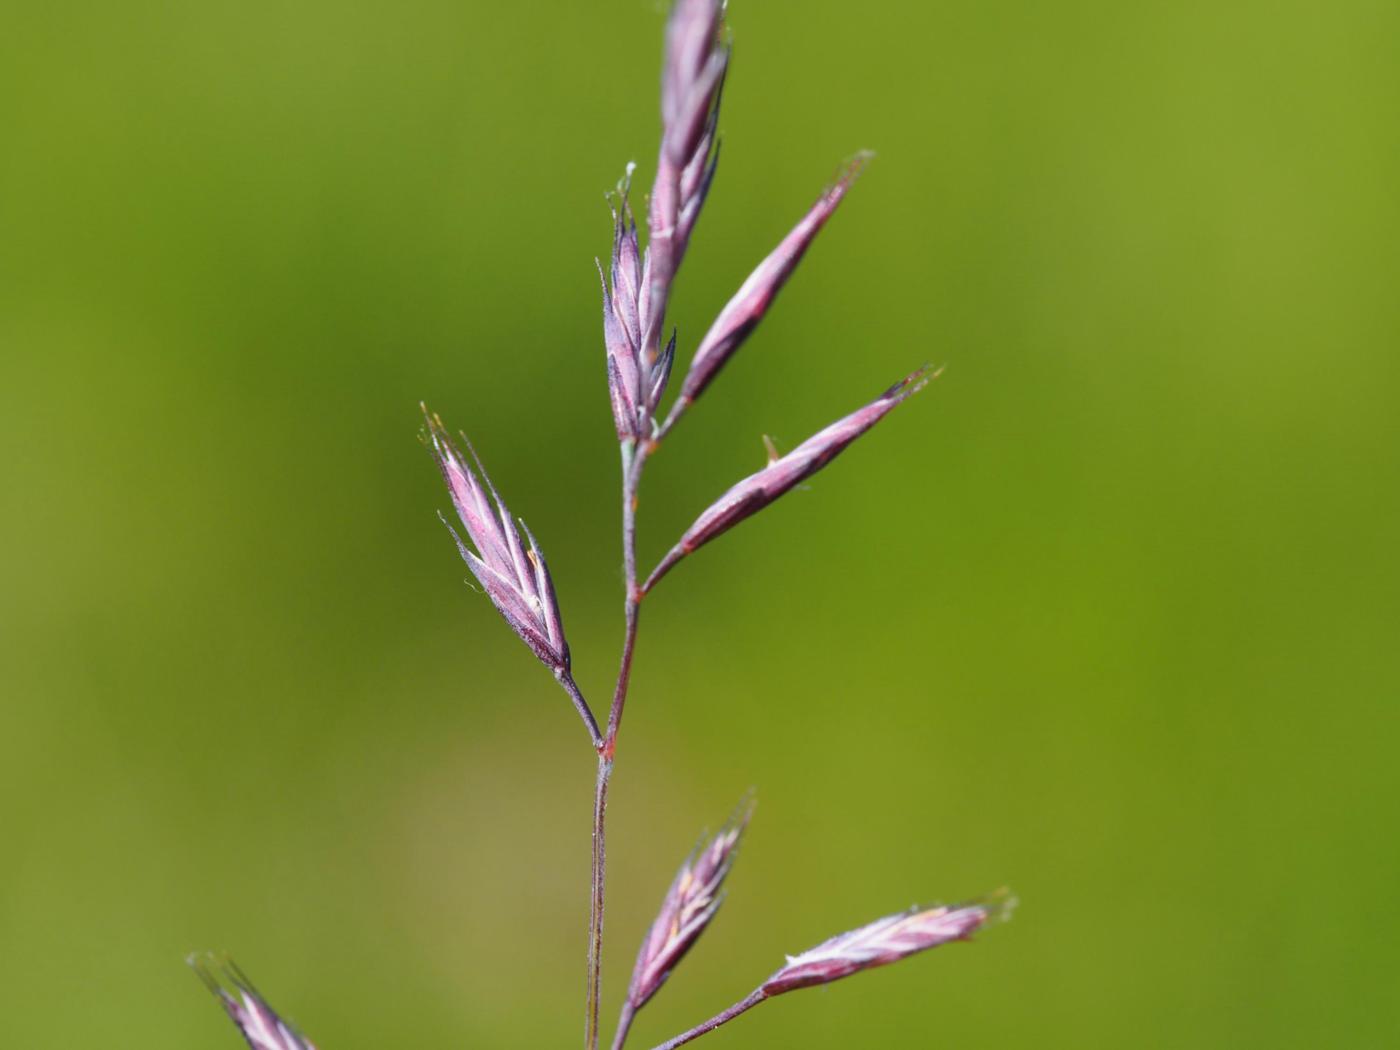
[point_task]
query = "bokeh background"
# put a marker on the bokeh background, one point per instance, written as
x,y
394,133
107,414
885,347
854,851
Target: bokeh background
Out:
x,y
1108,614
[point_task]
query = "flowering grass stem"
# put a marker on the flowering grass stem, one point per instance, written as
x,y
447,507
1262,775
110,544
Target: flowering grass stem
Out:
x,y
506,561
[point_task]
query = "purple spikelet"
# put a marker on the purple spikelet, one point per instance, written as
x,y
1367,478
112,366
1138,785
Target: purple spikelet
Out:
x,y
513,574
623,307
260,1025
690,904
692,82
638,286
886,941
879,943
750,303
637,373
756,491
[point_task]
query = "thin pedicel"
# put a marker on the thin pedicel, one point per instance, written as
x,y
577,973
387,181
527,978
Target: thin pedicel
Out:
x,y
510,567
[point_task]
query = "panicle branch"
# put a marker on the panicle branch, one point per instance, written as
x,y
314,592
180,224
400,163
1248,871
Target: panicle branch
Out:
x,y
879,943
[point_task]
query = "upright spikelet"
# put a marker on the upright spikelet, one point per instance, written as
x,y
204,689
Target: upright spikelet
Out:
x,y
690,904
742,313
692,80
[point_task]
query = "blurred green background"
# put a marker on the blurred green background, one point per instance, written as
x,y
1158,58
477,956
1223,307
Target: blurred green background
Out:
x,y
1108,614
